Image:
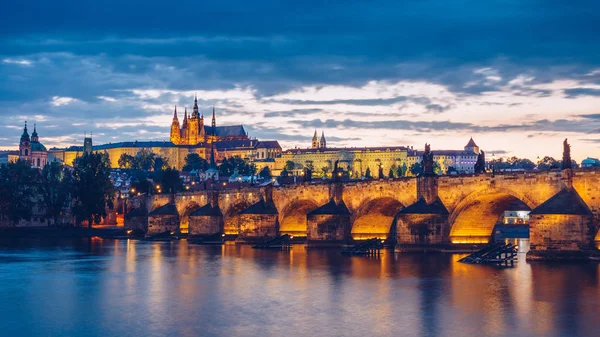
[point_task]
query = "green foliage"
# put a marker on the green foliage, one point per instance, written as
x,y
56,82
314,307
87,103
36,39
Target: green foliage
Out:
x,y
169,180
140,182
309,165
161,163
18,190
193,161
265,172
143,160
437,168
325,170
56,188
548,163
391,173
289,165
229,165
284,173
401,170
416,169
93,191
519,163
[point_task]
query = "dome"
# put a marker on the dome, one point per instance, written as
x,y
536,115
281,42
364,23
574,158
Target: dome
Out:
x,y
37,146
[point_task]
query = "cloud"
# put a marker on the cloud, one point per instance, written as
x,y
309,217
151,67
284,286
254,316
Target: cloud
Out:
x,y
576,92
21,62
59,101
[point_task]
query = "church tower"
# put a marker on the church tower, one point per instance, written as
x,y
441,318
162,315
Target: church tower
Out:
x,y
472,147
193,124
175,132
323,143
184,129
315,140
34,135
214,120
25,145
87,144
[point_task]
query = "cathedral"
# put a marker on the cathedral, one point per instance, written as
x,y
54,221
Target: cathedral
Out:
x,y
192,130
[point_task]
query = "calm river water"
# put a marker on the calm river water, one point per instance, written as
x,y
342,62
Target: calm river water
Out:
x,y
133,288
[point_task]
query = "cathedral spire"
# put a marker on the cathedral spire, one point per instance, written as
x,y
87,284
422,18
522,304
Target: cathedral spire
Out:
x,y
175,114
323,143
214,120
315,140
195,113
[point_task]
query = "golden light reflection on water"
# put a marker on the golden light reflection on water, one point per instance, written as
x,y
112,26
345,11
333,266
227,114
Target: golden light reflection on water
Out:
x,y
233,290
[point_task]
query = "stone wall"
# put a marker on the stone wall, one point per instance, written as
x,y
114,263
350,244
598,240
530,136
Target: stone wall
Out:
x,y
328,228
561,232
258,227
162,223
205,225
422,229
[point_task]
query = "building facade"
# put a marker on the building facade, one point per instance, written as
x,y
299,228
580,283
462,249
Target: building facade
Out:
x,y
463,161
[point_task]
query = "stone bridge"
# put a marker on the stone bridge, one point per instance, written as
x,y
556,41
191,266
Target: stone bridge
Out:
x,y
431,210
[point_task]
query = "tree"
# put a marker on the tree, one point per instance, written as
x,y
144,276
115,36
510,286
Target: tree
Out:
x,y
161,163
325,170
548,163
226,168
56,189
309,165
284,173
169,180
289,165
368,173
93,190
415,169
18,190
391,173
193,161
144,160
126,161
401,170
437,168
265,172
140,182
574,164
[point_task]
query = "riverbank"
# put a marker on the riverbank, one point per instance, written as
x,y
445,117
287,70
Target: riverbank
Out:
x,y
58,232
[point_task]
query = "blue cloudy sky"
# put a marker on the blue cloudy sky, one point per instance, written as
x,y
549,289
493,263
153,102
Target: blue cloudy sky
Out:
x,y
517,75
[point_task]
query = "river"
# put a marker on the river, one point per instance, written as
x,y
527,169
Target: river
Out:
x,y
101,287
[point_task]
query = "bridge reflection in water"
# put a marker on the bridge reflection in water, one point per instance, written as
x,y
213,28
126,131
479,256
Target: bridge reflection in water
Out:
x,y
106,287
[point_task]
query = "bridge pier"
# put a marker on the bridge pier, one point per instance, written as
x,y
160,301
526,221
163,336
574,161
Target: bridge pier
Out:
x,y
208,219
329,225
260,221
562,228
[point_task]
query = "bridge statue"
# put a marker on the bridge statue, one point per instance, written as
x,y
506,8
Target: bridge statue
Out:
x,y
480,164
566,161
427,161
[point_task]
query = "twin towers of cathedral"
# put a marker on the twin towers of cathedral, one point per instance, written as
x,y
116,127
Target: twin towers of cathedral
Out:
x,y
192,129
319,144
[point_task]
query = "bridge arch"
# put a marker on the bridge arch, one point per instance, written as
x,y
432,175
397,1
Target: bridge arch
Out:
x,y
231,216
293,217
374,218
474,218
184,218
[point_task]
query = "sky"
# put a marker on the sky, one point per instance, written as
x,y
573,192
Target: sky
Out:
x,y
519,76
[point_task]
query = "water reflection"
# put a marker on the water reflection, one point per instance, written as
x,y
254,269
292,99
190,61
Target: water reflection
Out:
x,y
121,287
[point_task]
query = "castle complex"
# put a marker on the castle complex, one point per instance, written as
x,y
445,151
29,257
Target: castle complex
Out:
x,y
191,136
